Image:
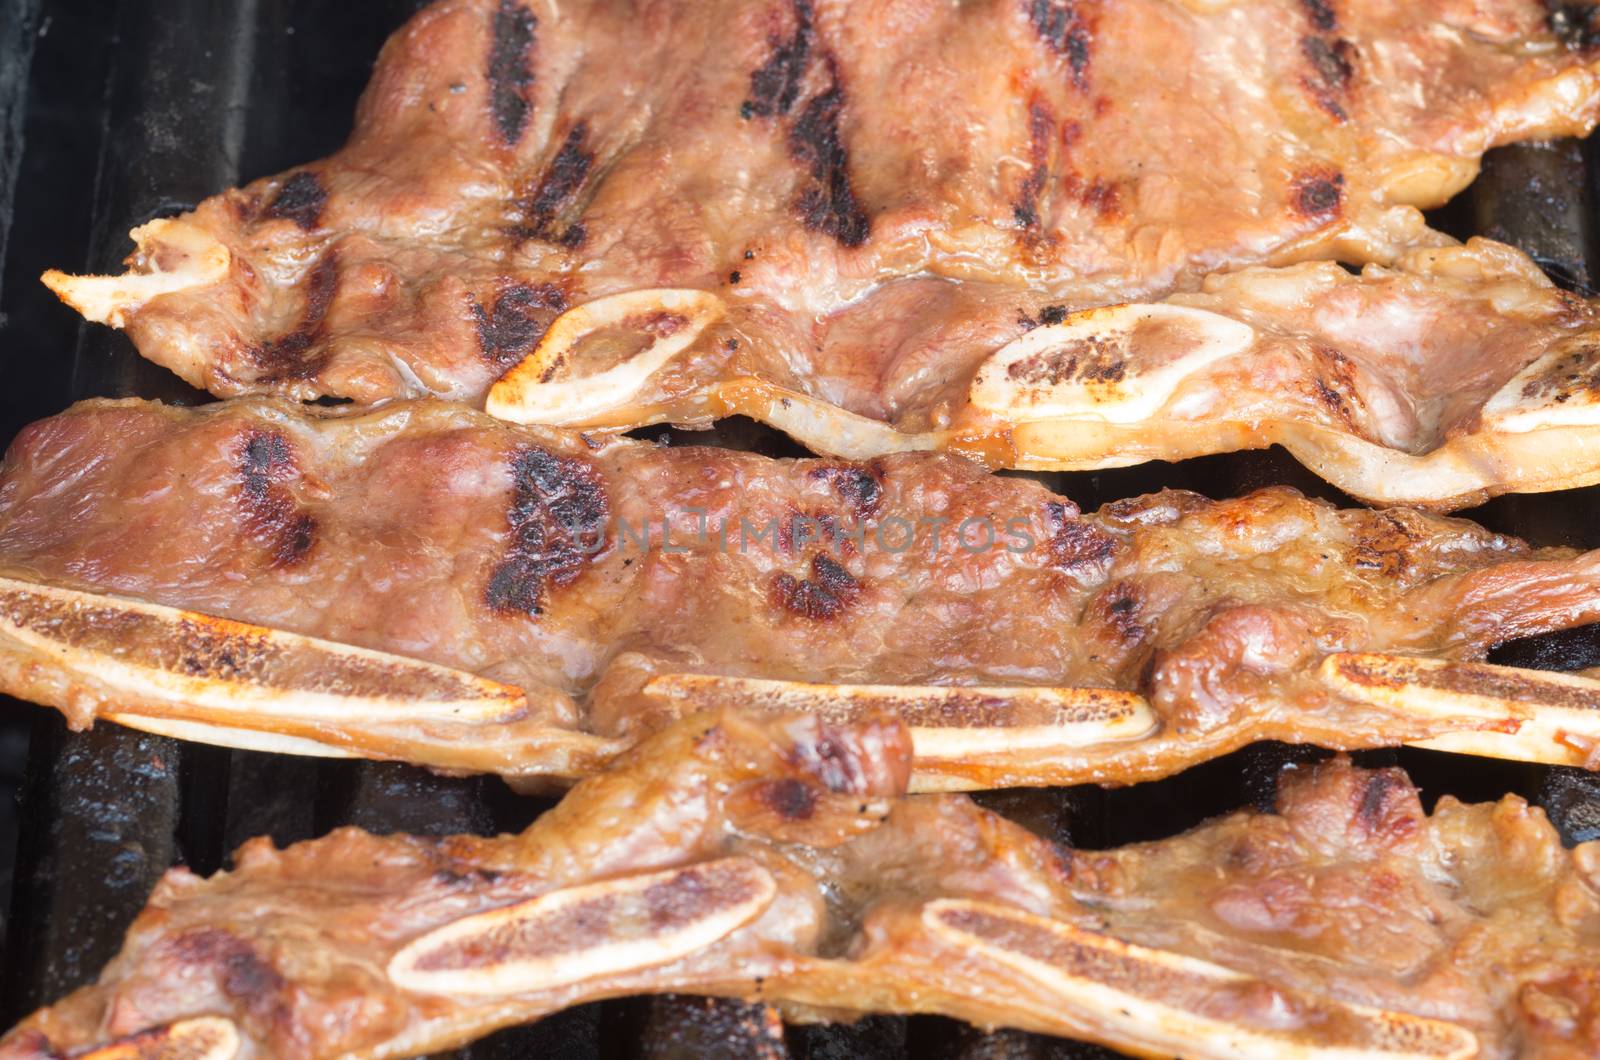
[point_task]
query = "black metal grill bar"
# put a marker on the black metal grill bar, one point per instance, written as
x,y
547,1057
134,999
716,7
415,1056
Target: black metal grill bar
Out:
x,y
198,94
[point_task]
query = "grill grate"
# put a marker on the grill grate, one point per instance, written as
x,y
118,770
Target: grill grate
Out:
x,y
146,112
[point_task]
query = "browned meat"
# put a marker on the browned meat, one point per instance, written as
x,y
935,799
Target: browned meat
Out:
x,y
775,862
865,202
1026,643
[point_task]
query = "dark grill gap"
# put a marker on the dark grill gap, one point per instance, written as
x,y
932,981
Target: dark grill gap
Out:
x,y
143,111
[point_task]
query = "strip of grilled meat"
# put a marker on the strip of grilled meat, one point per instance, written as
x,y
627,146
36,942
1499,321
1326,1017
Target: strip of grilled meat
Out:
x,y
565,595
775,861
868,201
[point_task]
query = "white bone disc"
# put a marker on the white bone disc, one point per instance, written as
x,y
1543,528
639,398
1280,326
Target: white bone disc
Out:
x,y
1119,364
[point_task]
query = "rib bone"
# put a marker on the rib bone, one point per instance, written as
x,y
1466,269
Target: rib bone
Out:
x,y
203,1038
1119,364
195,664
586,932
957,724
1164,997
535,392
1531,715
170,256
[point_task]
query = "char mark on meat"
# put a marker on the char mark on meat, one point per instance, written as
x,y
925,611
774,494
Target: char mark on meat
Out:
x,y
1383,544
557,523
859,487
823,595
1041,128
1334,384
1120,609
266,464
517,321
284,358
510,69
556,192
1062,25
300,199
1322,14
1318,195
775,84
1333,68
831,205
1385,802
791,799
1076,545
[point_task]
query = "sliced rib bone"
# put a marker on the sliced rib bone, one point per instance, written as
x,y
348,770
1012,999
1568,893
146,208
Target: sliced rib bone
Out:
x,y
1163,997
963,723
1546,717
1098,364
550,385
215,666
586,932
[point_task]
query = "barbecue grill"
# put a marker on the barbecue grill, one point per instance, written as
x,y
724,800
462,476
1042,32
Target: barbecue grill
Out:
x,y
111,115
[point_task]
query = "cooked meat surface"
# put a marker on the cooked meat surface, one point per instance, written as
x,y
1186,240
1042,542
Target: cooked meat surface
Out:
x,y
880,197
620,584
777,861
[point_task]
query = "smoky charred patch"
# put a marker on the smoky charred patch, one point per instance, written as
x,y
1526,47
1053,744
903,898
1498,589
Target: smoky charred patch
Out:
x,y
550,201
823,595
1332,66
1333,384
830,206
792,800
510,69
1087,360
1322,14
300,199
1120,609
1383,545
557,518
859,487
266,464
1048,315
1318,195
1075,543
1577,25
1380,791
775,84
1041,131
1104,198
286,357
1063,27
510,328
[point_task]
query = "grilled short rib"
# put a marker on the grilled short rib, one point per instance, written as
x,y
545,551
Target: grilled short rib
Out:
x,y
876,198
616,585
777,862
